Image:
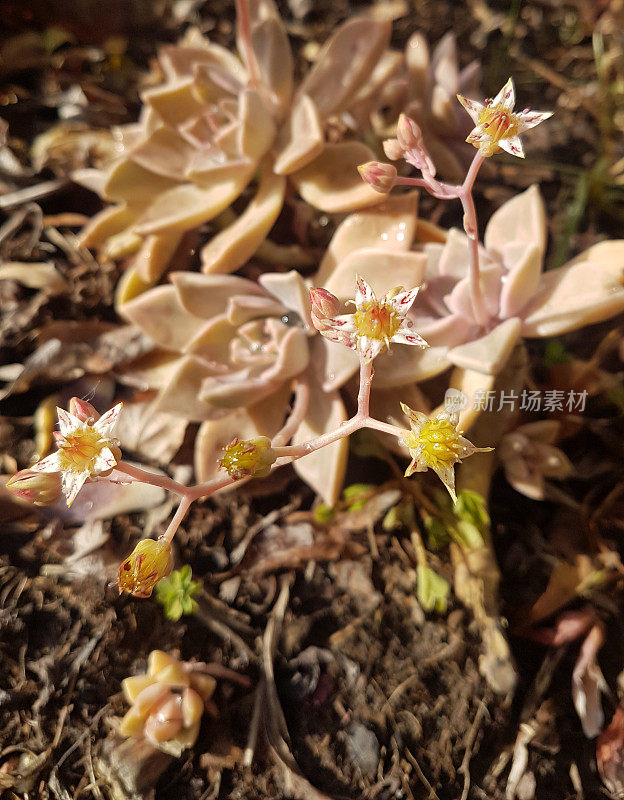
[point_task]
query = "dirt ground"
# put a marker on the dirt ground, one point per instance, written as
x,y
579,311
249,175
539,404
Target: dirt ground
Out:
x,y
380,699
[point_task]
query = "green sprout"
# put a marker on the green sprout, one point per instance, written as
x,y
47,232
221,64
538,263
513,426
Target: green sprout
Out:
x,y
175,593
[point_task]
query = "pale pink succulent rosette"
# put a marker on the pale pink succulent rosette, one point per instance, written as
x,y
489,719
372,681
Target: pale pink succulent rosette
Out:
x,y
521,300
230,353
530,457
213,123
423,83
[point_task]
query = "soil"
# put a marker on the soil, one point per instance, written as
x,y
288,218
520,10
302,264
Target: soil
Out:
x,y
381,700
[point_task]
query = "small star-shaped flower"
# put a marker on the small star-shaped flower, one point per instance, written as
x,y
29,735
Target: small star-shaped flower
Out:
x,y
375,323
435,443
497,125
85,450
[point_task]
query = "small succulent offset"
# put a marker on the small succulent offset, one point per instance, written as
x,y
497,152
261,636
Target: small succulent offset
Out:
x,y
176,594
167,703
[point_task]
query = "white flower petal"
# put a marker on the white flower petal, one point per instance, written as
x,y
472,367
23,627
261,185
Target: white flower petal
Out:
x,y
532,118
478,135
72,484
67,422
407,336
404,301
506,97
472,107
513,146
107,422
104,461
364,292
49,464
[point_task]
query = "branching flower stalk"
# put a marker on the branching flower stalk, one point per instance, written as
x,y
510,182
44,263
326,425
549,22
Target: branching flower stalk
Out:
x,y
375,324
498,128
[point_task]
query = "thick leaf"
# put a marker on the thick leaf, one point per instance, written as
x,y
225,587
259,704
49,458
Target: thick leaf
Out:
x,y
332,183
323,470
160,314
521,219
186,206
390,225
230,249
382,269
490,353
175,101
588,289
300,139
344,64
155,254
206,296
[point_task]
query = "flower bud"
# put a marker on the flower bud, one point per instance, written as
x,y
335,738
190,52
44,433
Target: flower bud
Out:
x,y
83,410
409,135
324,305
150,561
40,488
249,458
393,149
378,176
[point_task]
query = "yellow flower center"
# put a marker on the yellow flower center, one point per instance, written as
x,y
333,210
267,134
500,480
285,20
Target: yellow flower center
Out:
x,y
438,441
78,450
499,124
377,320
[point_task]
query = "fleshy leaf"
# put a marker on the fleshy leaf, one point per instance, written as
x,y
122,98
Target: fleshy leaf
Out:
x,y
230,249
490,353
323,470
586,290
300,139
206,296
390,225
521,219
344,64
160,314
383,269
332,183
187,206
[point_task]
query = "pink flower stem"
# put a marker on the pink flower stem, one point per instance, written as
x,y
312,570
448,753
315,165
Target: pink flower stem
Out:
x,y
472,231
285,454
184,506
463,193
297,414
142,475
243,22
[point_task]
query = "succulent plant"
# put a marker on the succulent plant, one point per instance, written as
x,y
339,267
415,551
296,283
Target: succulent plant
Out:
x,y
218,122
167,703
229,350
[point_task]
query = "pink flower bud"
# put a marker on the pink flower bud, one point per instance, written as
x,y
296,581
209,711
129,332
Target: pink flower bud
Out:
x,y
83,410
409,135
393,149
324,303
40,488
378,176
